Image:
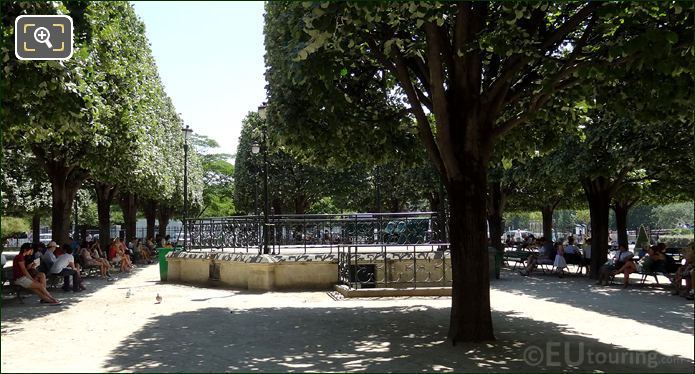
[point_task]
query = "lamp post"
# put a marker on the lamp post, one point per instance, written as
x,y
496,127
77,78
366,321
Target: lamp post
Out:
x,y
186,133
263,114
255,148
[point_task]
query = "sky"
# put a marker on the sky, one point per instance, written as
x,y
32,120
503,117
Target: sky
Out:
x,y
210,58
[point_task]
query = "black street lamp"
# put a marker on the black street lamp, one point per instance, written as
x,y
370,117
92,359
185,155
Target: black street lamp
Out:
x,y
263,114
186,134
255,148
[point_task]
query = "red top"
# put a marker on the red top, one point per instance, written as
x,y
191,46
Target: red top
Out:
x,y
112,251
16,270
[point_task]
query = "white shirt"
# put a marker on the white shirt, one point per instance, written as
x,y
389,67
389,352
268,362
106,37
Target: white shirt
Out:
x,y
3,259
61,263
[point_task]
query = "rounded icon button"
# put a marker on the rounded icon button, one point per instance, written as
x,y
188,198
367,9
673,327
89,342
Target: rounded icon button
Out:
x,y
42,35
533,355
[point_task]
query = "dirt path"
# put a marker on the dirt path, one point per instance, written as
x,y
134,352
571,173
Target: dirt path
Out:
x,y
539,322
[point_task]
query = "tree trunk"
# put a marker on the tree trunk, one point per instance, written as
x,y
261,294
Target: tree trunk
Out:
x,y
128,203
36,227
497,199
547,212
277,207
598,195
164,217
65,181
471,319
150,210
301,203
105,193
621,208
63,195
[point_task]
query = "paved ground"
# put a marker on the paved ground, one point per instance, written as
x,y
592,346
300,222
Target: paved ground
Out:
x,y
541,323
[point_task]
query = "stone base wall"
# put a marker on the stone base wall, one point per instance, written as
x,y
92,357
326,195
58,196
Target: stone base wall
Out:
x,y
253,272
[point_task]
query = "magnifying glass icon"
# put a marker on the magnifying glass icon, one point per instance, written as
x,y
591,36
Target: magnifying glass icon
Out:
x,y
42,35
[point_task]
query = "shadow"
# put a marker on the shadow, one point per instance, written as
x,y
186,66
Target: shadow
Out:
x,y
644,304
389,339
214,297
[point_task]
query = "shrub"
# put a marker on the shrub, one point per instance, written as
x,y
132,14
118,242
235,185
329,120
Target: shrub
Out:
x,y
13,225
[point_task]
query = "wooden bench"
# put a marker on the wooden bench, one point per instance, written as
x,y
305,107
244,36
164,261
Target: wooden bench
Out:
x,y
8,283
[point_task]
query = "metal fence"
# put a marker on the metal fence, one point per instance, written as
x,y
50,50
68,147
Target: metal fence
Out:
x,y
314,231
384,266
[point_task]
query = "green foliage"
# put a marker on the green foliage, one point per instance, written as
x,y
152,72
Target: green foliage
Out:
x,y
673,215
217,177
642,238
324,205
13,225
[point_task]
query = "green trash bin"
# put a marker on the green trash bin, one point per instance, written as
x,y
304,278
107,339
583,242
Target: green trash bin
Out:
x,y
163,263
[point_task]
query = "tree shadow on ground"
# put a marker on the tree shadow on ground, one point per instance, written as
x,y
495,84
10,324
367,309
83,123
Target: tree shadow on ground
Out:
x,y
389,339
645,304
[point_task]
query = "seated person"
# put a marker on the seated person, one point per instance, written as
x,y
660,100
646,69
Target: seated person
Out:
x,y
89,260
510,241
151,246
572,254
96,251
65,267
559,263
22,277
621,263
546,255
684,272
142,252
654,261
118,257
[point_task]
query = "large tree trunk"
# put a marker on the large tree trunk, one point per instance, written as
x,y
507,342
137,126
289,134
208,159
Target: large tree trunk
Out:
x,y
621,224
164,217
497,199
105,194
547,212
471,319
36,227
621,208
128,203
65,181
150,210
64,190
598,195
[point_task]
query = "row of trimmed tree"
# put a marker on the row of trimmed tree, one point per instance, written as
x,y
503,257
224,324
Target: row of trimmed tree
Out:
x,y
100,120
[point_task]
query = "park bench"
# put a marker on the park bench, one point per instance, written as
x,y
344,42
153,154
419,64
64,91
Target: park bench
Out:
x,y
8,284
516,257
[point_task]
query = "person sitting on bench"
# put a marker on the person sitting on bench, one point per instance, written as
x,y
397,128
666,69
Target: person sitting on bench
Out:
x,y
684,272
546,255
22,277
621,263
65,266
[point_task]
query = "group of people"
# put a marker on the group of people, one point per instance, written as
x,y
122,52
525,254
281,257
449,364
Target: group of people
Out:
x,y
35,262
556,254
652,259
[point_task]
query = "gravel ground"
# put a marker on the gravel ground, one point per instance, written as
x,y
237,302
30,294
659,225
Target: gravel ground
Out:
x,y
542,323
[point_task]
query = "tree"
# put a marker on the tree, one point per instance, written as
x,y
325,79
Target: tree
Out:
x,y
481,69
218,178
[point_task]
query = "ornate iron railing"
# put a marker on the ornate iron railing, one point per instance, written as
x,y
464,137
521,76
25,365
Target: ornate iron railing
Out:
x,y
302,233
390,266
